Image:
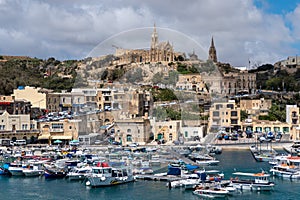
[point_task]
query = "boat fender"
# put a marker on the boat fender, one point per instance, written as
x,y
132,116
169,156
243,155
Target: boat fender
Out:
x,y
88,183
102,178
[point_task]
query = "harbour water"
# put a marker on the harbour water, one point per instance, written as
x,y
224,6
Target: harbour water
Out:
x,y
230,161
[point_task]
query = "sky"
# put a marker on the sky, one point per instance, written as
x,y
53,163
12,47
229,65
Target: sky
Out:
x,y
259,31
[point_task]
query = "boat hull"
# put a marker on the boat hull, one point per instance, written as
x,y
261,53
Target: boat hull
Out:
x,y
211,193
108,181
32,173
241,185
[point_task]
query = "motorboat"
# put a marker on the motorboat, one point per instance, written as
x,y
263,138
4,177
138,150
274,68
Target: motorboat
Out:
x,y
254,181
104,175
210,191
34,168
287,167
79,173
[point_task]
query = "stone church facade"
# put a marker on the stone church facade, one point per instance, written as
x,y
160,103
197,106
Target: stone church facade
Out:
x,y
158,52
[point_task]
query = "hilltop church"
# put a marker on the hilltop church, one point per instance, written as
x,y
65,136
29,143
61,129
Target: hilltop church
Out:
x,y
158,52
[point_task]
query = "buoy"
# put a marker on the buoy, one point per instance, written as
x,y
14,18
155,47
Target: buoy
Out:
x,y
88,183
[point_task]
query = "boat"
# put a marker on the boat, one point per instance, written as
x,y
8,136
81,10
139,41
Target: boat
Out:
x,y
34,168
16,168
294,148
204,159
287,167
254,182
51,172
79,173
263,154
104,175
210,191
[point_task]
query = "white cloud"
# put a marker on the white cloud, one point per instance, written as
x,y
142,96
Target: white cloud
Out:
x,y
70,29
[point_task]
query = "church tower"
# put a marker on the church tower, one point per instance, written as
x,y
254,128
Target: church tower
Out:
x,y
212,54
154,38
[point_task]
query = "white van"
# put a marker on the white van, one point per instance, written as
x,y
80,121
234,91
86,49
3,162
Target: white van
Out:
x,y
20,142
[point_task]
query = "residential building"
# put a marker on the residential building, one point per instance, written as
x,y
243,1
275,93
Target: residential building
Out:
x,y
18,127
132,130
224,115
15,106
292,115
256,107
64,130
37,96
167,131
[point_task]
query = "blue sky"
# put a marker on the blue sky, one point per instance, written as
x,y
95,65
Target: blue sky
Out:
x,y
263,31
280,7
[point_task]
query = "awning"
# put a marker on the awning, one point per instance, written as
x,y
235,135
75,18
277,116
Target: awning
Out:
x,y
44,137
61,137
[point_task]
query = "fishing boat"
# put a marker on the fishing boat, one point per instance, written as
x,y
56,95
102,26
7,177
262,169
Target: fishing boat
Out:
x,y
52,172
16,168
254,181
210,192
104,175
34,168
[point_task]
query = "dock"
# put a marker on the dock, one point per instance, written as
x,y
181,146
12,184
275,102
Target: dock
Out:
x,y
154,177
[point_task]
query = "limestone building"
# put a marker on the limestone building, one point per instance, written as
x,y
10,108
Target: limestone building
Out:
x,y
158,52
224,115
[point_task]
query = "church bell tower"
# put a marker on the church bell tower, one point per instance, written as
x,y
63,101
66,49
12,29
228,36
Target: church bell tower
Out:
x,y
154,38
212,54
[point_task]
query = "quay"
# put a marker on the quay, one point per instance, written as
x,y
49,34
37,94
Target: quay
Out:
x,y
157,177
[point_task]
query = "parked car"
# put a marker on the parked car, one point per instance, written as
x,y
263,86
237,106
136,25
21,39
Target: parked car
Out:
x,y
97,142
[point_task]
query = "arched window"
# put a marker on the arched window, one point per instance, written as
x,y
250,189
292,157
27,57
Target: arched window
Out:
x,y
129,130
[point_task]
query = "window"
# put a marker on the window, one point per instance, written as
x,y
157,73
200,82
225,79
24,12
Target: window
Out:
x,y
57,126
218,106
230,106
234,121
186,134
170,126
129,138
129,130
24,126
32,126
234,113
70,127
216,114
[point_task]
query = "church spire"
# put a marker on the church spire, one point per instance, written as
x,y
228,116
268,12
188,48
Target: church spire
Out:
x,y
154,38
212,54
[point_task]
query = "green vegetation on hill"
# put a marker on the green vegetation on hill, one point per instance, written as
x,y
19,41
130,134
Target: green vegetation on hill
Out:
x,y
50,73
163,95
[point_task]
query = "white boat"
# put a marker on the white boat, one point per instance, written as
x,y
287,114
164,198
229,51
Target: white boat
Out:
x,y
105,175
155,160
254,181
34,168
287,167
16,168
79,173
204,159
211,192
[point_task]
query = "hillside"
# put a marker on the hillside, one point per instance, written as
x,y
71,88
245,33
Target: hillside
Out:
x,y
20,71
